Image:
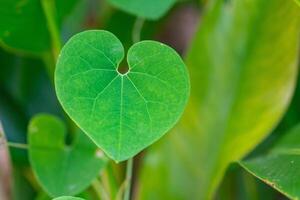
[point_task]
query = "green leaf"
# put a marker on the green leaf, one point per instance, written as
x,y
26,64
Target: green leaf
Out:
x,y
122,113
23,25
242,77
61,169
153,9
68,198
122,24
280,167
25,89
239,184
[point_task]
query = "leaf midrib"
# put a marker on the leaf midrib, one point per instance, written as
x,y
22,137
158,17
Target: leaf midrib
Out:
x,y
121,117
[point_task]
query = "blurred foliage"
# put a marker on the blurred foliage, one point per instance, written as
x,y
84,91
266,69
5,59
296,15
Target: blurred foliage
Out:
x,y
75,165
234,36
23,22
280,166
22,188
233,106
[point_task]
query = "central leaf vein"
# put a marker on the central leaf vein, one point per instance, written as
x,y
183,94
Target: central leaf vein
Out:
x,y
121,115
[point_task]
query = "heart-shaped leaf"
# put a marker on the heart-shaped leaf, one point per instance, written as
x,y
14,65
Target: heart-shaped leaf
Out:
x,y
153,9
122,113
280,167
68,198
61,169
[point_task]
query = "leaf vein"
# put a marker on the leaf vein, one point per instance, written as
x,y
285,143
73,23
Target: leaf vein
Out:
x,y
146,102
100,93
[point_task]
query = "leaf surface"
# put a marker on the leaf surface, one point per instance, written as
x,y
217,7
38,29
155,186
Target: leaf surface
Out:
x,y
61,169
122,113
242,77
280,168
23,25
68,198
153,9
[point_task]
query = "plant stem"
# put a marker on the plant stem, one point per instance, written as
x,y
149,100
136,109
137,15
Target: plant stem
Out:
x,y
137,29
50,60
100,190
128,179
108,179
50,14
3,141
121,190
136,37
17,145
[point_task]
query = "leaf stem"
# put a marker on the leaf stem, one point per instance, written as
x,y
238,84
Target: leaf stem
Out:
x,y
109,180
50,60
100,190
3,141
137,29
50,14
17,145
128,179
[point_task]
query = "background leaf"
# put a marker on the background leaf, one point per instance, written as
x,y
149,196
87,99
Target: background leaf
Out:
x,y
153,9
242,76
121,25
23,25
25,90
74,167
238,184
122,113
280,167
68,198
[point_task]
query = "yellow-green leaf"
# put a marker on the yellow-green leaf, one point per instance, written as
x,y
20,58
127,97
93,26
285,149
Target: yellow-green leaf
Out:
x,y
243,64
68,198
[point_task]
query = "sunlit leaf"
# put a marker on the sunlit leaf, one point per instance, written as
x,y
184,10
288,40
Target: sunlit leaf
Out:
x,y
242,78
68,198
122,112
